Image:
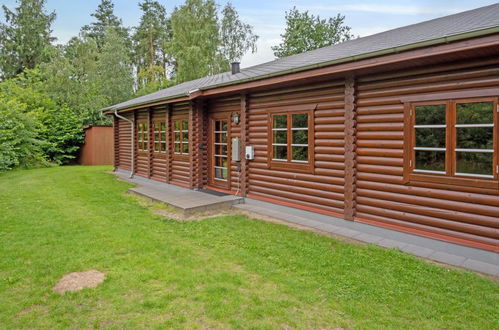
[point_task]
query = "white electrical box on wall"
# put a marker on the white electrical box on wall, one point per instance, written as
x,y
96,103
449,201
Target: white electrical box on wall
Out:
x,y
236,149
249,153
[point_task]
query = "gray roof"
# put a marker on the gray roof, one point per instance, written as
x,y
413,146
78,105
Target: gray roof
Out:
x,y
435,31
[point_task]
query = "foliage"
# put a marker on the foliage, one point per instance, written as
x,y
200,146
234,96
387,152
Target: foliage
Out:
x,y
306,32
25,38
114,69
105,19
150,45
57,130
224,272
18,139
236,37
195,40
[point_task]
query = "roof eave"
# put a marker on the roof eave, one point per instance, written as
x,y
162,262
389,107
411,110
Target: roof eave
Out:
x,y
384,52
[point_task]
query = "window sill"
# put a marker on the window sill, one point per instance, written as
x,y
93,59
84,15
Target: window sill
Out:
x,y
454,180
291,166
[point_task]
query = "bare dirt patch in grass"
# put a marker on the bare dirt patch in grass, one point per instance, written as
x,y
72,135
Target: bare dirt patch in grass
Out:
x,y
79,280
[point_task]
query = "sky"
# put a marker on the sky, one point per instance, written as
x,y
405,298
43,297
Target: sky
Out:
x,y
267,16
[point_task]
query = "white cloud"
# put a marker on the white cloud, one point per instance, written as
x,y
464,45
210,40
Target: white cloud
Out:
x,y
264,53
387,9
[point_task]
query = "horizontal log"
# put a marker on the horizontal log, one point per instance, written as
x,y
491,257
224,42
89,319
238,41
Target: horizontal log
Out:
x,y
330,143
380,127
256,178
329,135
318,113
381,118
385,161
364,176
326,179
328,120
380,135
390,170
440,231
330,128
331,150
380,109
331,165
483,215
446,199
378,152
298,197
429,221
388,144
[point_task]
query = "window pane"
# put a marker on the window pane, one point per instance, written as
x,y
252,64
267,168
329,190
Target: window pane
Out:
x,y
281,152
280,137
177,136
185,136
224,125
300,153
300,120
475,113
177,147
430,137
185,148
185,125
300,137
156,146
224,173
430,160
474,163
163,146
475,138
280,121
176,125
145,145
163,126
430,114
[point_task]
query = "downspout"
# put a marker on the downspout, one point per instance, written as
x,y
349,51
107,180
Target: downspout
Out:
x,y
133,139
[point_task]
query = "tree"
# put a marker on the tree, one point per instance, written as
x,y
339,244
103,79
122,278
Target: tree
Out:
x,y
236,37
18,136
150,45
195,40
25,37
56,128
105,19
114,69
307,32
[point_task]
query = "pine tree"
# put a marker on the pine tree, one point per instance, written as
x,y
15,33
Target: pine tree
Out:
x,y
150,42
307,32
25,38
114,69
105,19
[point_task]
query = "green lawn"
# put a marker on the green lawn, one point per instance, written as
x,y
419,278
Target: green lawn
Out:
x,y
227,272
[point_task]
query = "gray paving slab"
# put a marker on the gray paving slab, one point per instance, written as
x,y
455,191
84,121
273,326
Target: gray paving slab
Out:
x,y
447,258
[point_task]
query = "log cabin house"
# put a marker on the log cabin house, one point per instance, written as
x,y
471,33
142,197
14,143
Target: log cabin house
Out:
x,y
398,130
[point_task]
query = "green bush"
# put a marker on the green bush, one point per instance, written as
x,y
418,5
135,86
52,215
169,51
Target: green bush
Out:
x,y
19,144
57,128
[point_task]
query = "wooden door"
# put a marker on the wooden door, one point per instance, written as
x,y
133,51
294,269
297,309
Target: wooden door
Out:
x,y
219,152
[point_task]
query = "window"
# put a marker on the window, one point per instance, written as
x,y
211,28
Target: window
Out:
x,y
143,136
455,142
181,137
290,139
160,137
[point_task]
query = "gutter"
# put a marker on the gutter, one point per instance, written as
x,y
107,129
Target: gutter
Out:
x,y
443,40
132,122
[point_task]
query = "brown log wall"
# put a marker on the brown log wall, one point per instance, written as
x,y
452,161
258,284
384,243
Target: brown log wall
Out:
x,y
324,188
460,212
123,145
